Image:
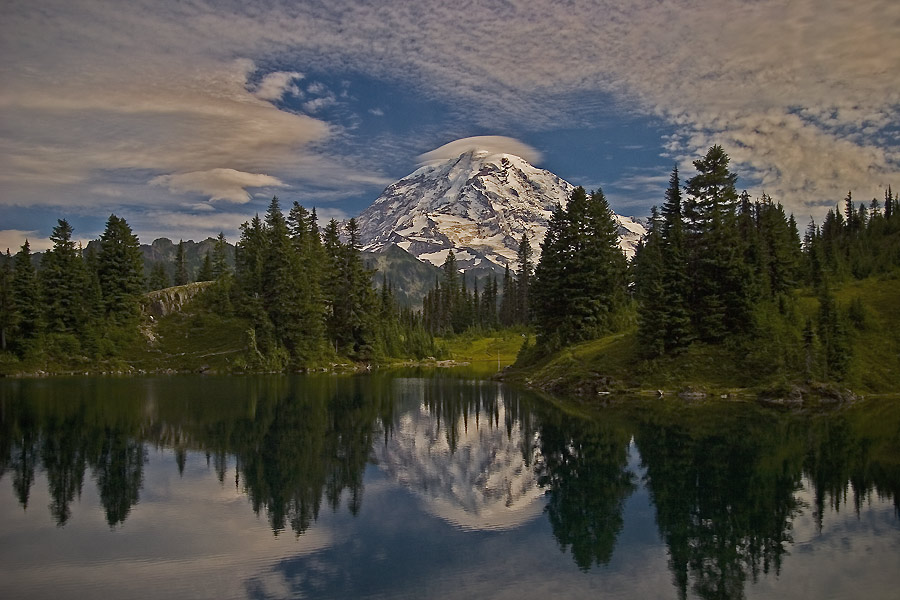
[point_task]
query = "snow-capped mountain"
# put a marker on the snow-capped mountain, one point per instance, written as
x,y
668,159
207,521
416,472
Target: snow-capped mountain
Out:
x,y
479,204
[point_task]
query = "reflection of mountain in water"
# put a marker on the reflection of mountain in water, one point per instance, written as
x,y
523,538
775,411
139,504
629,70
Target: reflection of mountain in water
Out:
x,y
472,465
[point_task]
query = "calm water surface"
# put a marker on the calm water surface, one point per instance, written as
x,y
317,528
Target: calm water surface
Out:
x,y
435,485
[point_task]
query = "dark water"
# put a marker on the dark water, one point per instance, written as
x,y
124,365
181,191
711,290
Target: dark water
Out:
x,y
435,485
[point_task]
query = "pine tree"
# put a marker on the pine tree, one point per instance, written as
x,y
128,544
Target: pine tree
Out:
x,y
206,269
26,295
159,278
721,297
833,336
524,275
120,268
581,277
63,280
509,300
677,331
282,274
219,258
650,289
7,304
181,273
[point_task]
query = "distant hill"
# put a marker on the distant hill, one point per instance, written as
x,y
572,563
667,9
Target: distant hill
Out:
x,y
409,277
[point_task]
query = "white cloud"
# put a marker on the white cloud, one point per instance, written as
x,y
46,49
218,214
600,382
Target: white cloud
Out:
x,y
93,92
491,143
274,85
227,185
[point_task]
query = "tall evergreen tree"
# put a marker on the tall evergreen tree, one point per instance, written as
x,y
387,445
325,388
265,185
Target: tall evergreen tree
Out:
x,y
120,267
509,300
159,278
524,275
282,296
721,297
677,331
649,276
581,277
7,304
181,272
220,257
63,280
206,269
26,294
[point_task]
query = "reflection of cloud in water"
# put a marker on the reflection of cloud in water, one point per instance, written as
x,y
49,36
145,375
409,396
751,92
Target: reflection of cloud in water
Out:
x,y
482,483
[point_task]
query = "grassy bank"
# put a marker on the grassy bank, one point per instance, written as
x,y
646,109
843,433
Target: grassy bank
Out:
x,y
773,363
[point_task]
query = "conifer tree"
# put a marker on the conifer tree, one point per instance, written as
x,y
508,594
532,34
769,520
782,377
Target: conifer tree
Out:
x,y
509,300
282,274
26,295
650,289
581,277
206,269
120,267
159,278
7,305
63,280
524,274
721,297
677,331
181,272
219,257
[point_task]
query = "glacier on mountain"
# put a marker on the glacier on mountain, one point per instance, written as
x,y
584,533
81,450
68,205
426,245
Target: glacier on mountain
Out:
x,y
478,204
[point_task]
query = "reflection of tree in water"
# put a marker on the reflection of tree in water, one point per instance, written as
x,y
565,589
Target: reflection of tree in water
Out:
x,y
305,443
840,462
119,470
584,469
723,484
723,479
63,456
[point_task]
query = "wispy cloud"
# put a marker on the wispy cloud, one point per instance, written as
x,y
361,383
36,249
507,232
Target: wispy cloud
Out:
x,y
93,93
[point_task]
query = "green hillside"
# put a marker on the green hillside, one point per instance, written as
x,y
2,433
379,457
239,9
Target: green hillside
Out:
x,y
770,366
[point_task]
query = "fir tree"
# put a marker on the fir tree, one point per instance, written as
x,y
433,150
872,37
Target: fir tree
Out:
x,y
7,304
524,274
580,279
220,257
677,331
26,295
159,277
63,280
721,297
206,269
650,289
181,273
509,300
120,267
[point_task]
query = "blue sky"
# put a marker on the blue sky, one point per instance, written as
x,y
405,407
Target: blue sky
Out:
x,y
186,117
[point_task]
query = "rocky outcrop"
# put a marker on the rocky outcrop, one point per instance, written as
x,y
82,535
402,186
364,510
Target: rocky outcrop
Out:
x,y
164,302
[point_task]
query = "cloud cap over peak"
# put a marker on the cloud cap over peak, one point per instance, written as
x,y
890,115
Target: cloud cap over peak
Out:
x,y
495,144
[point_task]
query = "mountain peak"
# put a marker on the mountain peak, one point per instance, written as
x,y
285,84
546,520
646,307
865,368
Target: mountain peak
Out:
x,y
478,203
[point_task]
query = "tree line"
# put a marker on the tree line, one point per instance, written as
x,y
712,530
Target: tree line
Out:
x,y
304,293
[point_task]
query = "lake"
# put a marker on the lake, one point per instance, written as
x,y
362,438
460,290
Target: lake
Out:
x,y
425,483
